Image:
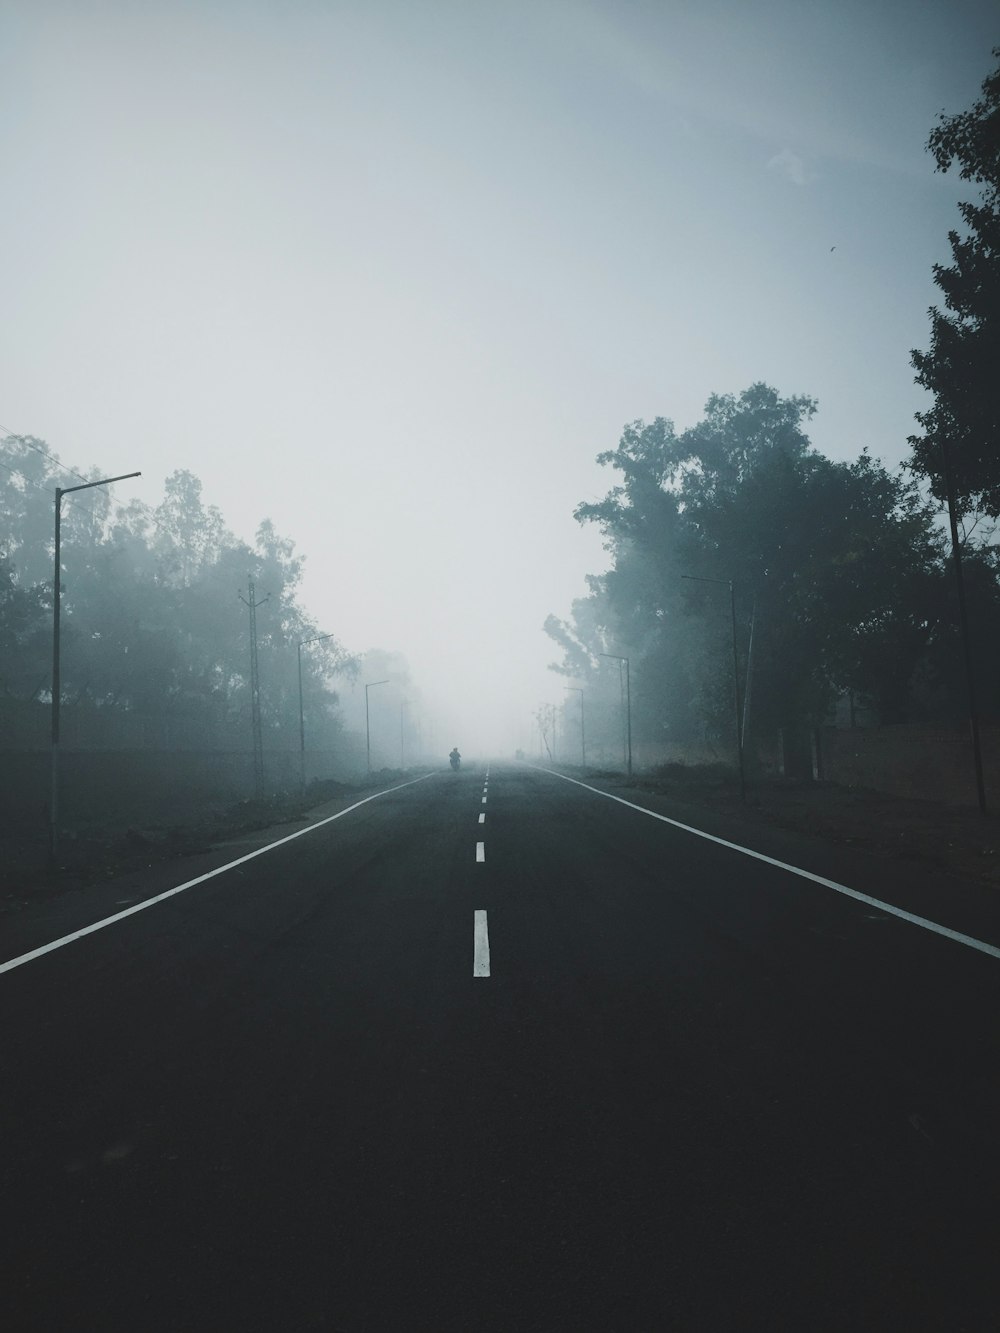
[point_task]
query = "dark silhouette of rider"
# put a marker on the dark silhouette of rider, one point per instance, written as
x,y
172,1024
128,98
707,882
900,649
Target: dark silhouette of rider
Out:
x,y
455,757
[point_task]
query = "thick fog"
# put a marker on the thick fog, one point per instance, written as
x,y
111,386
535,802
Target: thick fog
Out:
x,y
392,276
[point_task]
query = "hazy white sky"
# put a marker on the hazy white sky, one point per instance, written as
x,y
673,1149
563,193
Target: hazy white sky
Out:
x,y
392,274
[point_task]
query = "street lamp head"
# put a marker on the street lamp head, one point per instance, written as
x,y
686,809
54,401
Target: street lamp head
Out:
x,y
88,485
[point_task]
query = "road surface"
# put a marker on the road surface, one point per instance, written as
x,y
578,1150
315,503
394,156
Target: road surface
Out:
x,y
492,1051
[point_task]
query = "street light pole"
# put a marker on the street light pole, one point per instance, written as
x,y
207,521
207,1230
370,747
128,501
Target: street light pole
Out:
x,y
628,704
583,735
56,684
368,733
736,673
302,719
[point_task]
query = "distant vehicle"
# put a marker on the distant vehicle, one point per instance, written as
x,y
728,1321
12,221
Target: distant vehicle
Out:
x,y
455,759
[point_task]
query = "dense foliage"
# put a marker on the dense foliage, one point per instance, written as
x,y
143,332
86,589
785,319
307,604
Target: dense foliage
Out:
x,y
962,366
152,621
839,567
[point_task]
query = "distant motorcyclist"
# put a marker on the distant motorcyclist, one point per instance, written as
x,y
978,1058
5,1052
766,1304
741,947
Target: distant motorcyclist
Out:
x,y
455,759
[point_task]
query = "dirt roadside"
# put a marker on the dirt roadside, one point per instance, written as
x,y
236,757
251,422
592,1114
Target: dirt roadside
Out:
x,y
98,854
955,839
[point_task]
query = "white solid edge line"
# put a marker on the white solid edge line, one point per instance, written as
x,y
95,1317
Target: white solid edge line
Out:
x,y
480,851
969,940
480,946
189,884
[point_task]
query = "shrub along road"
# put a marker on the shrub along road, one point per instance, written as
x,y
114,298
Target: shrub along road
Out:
x,y
688,1089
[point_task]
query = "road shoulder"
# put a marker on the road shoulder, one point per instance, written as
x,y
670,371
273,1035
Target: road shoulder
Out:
x,y
909,882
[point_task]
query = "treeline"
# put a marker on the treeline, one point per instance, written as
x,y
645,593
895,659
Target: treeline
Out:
x,y
151,617
842,572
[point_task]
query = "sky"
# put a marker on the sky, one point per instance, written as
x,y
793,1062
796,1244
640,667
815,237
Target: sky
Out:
x,y
393,274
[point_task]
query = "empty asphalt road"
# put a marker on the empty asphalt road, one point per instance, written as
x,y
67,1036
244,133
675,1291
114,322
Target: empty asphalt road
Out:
x,y
492,1051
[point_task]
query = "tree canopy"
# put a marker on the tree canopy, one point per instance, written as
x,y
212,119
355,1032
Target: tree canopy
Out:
x,y
151,616
962,366
840,567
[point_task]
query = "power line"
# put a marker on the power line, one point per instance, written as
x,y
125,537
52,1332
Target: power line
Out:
x,y
77,499
16,472
115,504
29,444
53,458
206,574
132,505
87,502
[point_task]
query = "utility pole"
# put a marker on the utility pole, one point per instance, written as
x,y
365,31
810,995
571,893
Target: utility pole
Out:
x,y
368,728
749,685
302,717
577,689
628,703
621,694
694,578
963,616
544,717
56,683
736,693
258,739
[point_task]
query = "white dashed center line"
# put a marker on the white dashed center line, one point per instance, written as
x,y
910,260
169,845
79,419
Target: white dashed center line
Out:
x,y
482,818
481,947
484,800
480,851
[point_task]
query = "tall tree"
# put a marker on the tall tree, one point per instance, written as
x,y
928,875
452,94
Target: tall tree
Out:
x,y
25,638
189,535
151,621
842,561
962,367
